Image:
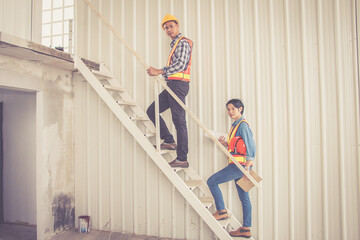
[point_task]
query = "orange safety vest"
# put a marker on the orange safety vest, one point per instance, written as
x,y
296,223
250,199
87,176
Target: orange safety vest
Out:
x,y
236,145
183,75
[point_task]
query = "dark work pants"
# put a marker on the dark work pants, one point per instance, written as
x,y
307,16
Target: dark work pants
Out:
x,y
166,101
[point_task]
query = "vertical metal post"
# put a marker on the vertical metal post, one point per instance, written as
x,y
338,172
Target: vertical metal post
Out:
x,y
70,35
1,166
157,115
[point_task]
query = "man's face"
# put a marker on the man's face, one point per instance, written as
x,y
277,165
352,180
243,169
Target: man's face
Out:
x,y
171,29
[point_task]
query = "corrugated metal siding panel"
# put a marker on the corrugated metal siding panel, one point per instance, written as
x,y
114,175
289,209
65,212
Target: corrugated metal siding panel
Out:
x,y
294,63
15,18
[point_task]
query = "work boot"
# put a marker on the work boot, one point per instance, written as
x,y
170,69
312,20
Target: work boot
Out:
x,y
221,215
178,163
243,232
168,146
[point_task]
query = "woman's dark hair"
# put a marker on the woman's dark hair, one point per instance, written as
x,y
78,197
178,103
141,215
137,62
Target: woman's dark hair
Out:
x,y
237,103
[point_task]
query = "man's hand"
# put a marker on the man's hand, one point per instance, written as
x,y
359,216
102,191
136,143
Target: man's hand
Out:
x,y
154,72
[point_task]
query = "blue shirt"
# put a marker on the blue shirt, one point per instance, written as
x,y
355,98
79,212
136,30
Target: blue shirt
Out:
x,y
181,57
245,132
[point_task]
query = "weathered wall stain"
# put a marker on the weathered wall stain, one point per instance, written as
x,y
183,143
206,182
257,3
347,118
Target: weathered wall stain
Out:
x,y
64,212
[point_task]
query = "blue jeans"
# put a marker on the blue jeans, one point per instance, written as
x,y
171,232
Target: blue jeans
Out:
x,y
231,172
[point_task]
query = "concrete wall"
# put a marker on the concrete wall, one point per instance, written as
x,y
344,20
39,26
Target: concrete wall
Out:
x,y
54,138
295,65
19,142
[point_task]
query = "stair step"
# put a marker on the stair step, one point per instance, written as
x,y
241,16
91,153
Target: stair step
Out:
x,y
192,184
225,223
178,169
115,89
139,118
126,103
207,201
101,74
240,238
149,134
164,151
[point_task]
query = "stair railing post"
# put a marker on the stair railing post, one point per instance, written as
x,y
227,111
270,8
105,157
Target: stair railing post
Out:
x,y
157,115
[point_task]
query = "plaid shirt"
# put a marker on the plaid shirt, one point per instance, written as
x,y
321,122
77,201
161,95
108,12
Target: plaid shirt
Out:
x,y
181,57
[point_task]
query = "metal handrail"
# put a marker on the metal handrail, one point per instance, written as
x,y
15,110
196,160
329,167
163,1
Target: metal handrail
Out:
x,y
163,83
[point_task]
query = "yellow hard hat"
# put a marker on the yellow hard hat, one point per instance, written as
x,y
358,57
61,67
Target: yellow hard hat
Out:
x,y
168,18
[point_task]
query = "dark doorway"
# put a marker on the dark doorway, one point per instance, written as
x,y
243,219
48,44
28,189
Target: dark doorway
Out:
x,y
18,173
1,166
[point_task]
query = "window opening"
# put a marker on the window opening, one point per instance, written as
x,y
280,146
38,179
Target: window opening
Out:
x,y
57,20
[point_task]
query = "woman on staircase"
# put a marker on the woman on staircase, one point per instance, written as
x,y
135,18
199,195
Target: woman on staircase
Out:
x,y
241,145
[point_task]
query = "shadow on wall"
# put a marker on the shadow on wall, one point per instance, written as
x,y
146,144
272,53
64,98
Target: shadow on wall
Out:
x,y
64,212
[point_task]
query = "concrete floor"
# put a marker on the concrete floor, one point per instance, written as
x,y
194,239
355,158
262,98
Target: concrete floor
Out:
x,y
17,232
23,232
102,235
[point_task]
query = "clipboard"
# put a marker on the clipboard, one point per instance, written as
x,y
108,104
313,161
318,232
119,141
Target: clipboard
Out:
x,y
246,185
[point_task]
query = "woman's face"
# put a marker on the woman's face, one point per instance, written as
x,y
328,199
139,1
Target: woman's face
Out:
x,y
233,112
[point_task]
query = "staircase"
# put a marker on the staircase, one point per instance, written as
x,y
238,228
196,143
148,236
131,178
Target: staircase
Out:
x,y
117,99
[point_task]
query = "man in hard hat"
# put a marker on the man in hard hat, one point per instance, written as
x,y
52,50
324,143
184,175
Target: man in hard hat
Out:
x,y
177,75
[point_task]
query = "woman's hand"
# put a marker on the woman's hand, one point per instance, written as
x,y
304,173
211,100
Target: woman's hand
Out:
x,y
244,176
247,168
223,141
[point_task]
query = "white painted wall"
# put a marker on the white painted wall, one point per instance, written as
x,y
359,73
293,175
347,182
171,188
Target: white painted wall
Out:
x,y
293,62
21,18
19,173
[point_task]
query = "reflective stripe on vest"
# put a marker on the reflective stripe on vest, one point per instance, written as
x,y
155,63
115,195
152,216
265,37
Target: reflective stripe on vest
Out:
x,y
240,158
183,75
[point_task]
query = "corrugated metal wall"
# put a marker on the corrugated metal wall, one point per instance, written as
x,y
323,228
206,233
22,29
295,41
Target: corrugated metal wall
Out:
x,y
295,65
21,18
